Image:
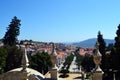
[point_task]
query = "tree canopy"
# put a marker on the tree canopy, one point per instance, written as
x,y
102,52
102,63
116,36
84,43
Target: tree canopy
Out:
x,y
102,49
3,55
10,37
40,62
13,56
13,59
115,53
102,44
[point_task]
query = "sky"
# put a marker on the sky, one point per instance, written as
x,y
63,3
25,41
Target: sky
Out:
x,y
61,20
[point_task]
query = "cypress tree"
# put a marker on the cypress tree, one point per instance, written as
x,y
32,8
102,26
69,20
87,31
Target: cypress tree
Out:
x,y
3,54
13,58
10,37
102,47
115,52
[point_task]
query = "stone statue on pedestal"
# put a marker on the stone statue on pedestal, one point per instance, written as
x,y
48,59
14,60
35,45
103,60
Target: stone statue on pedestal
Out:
x,y
54,69
54,56
97,57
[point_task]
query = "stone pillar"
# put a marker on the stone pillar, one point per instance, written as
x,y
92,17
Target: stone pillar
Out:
x,y
25,64
97,76
24,76
53,71
97,73
54,74
1,77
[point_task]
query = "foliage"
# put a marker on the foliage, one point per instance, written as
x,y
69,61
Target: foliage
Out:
x,y
79,59
13,59
115,52
88,63
12,55
114,58
64,73
41,62
117,39
107,62
10,37
110,46
102,49
102,44
68,60
89,76
3,53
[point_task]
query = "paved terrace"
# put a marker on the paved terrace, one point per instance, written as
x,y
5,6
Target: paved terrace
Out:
x,y
72,76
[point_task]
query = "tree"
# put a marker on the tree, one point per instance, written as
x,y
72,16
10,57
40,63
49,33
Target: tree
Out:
x,y
10,37
110,46
102,44
64,73
79,59
68,61
40,62
3,54
115,53
102,48
13,59
87,63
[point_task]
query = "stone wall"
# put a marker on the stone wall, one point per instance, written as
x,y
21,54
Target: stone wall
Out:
x,y
13,76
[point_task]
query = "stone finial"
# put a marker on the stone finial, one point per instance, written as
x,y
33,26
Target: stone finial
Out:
x,y
97,45
25,61
97,57
54,56
54,53
97,52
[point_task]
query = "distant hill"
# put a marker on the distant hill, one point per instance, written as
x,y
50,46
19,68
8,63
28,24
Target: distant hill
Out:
x,y
90,43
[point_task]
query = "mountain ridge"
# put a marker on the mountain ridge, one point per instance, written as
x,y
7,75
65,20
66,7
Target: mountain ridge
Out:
x,y
90,43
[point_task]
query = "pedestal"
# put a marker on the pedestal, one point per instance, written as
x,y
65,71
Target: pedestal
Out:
x,y
24,75
54,74
97,75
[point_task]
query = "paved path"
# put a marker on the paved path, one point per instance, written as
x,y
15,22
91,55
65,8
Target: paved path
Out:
x,y
73,66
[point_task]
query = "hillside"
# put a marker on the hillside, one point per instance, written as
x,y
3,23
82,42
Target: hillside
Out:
x,y
90,43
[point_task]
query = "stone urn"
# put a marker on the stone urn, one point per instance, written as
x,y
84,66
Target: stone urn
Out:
x,y
53,59
54,56
97,57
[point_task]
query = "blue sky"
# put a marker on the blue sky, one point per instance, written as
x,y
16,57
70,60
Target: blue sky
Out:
x,y
61,20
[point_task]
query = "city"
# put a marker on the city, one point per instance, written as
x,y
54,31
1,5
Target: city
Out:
x,y
60,40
